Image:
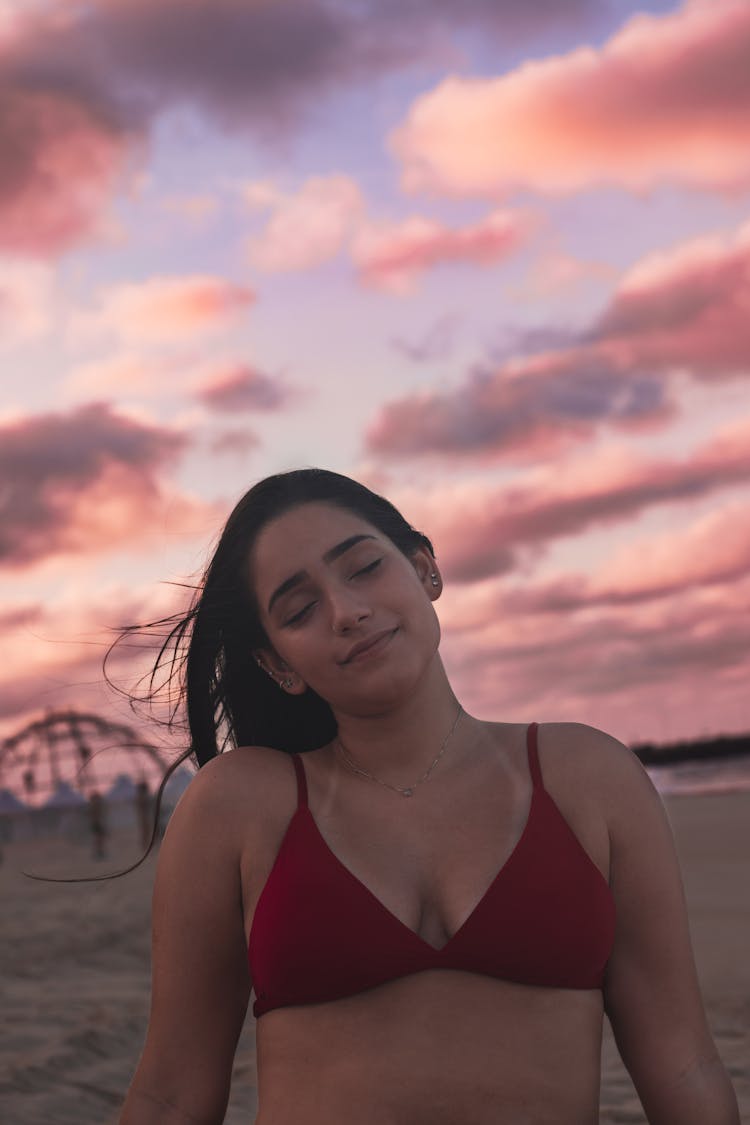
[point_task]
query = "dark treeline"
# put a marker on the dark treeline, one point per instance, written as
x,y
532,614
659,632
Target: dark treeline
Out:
x,y
708,749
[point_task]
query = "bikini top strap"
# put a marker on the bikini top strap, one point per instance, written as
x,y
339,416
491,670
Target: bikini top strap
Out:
x,y
531,743
301,781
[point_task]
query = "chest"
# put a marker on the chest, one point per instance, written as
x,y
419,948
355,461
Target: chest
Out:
x,y
430,868
429,864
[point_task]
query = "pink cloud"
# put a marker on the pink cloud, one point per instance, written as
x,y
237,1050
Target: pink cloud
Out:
x,y
240,387
687,307
20,616
392,257
312,226
263,64
666,99
639,668
126,373
59,645
719,581
26,300
556,272
233,442
307,227
713,550
82,85
163,308
483,533
62,160
666,610
81,483
684,310
531,409
219,385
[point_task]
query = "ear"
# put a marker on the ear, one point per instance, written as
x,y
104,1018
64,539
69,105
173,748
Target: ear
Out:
x,y
425,566
273,666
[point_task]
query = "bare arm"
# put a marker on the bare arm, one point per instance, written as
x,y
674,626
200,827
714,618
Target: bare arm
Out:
x,y
652,994
200,978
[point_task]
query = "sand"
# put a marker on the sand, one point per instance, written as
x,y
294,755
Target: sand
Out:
x,y
74,989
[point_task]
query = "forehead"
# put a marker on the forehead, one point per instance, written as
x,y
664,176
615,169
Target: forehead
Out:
x,y
304,534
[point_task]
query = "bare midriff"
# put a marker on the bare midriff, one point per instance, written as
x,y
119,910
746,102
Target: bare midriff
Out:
x,y
436,1048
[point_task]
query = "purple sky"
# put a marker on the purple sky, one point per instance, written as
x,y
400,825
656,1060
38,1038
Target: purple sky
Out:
x,y
491,259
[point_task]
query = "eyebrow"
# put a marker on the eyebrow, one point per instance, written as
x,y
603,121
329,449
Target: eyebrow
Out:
x,y
329,557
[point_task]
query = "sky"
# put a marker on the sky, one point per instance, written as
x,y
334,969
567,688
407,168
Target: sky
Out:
x,y
490,259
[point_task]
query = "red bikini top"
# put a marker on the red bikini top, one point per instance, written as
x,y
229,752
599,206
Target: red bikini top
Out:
x,y
318,934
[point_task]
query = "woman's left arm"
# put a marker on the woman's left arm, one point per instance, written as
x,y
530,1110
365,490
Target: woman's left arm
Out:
x,y
652,994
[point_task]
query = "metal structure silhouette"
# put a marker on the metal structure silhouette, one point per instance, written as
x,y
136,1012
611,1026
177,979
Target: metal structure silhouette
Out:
x,y
65,748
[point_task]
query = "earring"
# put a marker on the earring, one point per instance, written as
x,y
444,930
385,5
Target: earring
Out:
x,y
435,580
282,683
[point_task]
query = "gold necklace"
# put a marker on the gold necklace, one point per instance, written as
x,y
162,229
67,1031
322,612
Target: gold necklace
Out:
x,y
396,788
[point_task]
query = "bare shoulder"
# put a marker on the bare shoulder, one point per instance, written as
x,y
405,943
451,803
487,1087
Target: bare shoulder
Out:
x,y
231,789
583,738
598,759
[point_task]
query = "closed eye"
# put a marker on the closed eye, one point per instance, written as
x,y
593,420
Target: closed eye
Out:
x,y
368,568
298,617
302,613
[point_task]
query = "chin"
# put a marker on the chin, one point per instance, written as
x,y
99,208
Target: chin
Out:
x,y
391,691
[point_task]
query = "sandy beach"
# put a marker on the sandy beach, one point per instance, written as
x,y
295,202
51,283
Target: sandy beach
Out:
x,y
74,990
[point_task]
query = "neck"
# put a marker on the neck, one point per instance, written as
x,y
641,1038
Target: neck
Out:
x,y
400,740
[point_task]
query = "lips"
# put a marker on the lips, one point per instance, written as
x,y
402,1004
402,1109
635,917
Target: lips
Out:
x,y
368,642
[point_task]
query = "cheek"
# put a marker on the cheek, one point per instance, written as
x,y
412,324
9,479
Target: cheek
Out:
x,y
311,648
429,624
418,619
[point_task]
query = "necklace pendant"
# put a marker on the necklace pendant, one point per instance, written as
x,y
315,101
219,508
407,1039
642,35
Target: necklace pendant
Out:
x,y
407,792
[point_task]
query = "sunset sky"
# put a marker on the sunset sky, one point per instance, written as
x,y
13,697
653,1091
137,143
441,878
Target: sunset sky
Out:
x,y
491,258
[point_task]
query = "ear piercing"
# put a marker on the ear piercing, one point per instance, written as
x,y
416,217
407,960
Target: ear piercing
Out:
x,y
282,683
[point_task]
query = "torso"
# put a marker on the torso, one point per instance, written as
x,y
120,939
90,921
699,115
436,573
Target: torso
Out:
x,y
439,1046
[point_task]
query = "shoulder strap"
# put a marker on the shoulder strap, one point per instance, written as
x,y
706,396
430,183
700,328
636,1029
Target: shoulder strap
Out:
x,y
301,781
531,743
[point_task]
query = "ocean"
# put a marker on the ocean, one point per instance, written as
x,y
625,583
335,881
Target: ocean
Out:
x,y
721,775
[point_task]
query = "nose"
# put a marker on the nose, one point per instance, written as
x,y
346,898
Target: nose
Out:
x,y
347,608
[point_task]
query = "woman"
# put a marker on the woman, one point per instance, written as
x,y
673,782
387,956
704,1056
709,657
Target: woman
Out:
x,y
434,910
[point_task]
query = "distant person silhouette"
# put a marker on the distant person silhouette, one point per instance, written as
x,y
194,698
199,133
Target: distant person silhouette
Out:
x,y
97,824
143,808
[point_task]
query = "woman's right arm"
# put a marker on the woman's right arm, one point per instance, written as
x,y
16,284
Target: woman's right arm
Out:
x,y
200,985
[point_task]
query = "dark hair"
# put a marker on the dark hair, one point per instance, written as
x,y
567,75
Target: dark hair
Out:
x,y
224,689
227,699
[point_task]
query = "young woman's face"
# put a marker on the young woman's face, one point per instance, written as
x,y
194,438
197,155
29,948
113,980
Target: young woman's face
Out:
x,y
324,580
